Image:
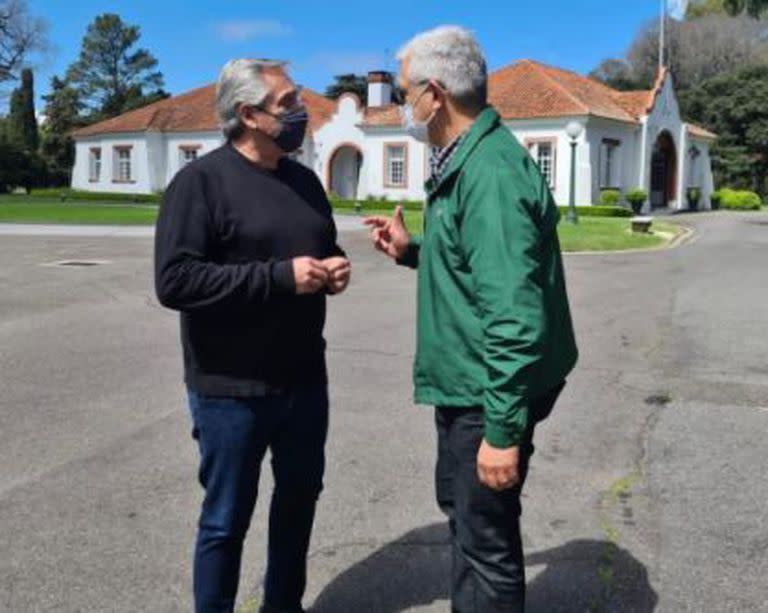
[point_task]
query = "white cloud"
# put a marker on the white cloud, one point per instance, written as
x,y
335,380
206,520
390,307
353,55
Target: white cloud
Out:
x,y
240,30
677,8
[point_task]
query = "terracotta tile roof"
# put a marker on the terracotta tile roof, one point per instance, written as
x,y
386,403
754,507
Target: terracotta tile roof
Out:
x,y
699,132
523,90
635,103
192,111
383,116
320,108
529,90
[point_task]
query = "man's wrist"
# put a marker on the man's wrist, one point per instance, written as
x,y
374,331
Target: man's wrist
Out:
x,y
409,254
283,276
501,438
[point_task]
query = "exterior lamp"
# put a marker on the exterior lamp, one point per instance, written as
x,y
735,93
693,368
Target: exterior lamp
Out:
x,y
573,130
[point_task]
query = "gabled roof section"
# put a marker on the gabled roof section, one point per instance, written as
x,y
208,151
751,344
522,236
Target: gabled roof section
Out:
x,y
528,90
192,111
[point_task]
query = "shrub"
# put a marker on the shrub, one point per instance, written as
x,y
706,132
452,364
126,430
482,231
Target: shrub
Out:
x,y
636,198
739,200
693,195
610,197
714,198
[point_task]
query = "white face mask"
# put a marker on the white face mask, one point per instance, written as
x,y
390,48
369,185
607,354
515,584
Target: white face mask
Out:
x,y
418,130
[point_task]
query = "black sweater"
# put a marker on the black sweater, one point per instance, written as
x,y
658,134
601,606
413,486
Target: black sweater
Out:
x,y
226,234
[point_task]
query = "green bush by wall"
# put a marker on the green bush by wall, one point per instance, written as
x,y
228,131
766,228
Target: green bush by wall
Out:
x,y
738,200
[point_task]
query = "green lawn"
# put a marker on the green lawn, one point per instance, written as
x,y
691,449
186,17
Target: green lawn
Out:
x,y
22,209
611,234
592,233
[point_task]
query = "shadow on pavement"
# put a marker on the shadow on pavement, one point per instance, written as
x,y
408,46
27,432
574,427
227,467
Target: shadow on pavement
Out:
x,y
413,571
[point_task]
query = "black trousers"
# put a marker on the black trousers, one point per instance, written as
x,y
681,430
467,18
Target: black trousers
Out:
x,y
488,573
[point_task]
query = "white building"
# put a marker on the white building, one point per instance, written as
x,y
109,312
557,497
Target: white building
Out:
x,y
629,139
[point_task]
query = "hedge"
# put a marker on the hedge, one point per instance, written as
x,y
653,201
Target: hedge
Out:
x,y
67,193
375,204
599,211
738,200
415,205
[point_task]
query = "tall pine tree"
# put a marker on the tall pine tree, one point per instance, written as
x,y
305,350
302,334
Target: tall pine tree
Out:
x,y
22,123
111,75
62,115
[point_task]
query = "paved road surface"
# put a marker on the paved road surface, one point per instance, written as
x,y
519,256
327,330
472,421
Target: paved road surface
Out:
x,y
648,490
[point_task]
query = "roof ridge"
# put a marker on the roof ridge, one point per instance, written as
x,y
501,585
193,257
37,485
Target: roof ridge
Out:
x,y
654,92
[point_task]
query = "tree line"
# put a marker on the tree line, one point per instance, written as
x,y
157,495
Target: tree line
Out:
x,y
718,57
110,76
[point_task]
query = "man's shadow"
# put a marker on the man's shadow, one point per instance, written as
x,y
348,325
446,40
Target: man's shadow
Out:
x,y
414,570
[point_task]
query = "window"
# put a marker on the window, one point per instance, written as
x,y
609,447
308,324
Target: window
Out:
x,y
543,152
123,171
396,161
187,154
609,162
94,164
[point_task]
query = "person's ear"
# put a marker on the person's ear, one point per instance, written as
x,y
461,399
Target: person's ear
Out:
x,y
438,96
249,117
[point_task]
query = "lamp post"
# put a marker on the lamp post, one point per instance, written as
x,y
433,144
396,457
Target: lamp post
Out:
x,y
574,130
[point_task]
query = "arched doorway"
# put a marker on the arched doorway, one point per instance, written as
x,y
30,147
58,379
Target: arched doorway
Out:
x,y
344,171
663,171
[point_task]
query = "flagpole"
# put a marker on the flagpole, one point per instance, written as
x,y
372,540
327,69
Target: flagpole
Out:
x,y
662,33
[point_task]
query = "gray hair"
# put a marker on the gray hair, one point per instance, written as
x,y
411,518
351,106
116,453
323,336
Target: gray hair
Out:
x,y
240,82
452,56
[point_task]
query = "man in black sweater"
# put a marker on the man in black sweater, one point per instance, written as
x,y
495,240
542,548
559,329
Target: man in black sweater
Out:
x,y
246,250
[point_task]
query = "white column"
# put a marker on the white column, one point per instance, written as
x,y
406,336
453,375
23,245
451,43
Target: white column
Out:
x,y
682,156
642,182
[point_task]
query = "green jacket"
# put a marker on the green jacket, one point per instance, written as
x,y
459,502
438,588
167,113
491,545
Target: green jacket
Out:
x,y
493,327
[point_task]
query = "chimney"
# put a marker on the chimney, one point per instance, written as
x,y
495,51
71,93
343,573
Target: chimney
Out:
x,y
379,88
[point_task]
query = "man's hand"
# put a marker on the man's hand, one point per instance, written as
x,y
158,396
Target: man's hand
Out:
x,y
498,468
339,273
310,275
389,235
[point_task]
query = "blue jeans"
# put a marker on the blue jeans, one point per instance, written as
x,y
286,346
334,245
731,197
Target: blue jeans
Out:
x,y
233,435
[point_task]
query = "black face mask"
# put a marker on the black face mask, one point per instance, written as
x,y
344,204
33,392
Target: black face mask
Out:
x,y
293,128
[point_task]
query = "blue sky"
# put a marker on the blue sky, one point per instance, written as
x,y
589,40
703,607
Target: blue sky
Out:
x,y
193,38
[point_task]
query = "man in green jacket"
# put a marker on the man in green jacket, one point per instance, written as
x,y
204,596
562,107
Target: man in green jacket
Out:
x,y
495,340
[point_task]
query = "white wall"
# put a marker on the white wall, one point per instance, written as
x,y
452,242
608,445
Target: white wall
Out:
x,y
155,159
700,175
534,129
374,172
208,141
141,180
626,170
342,130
